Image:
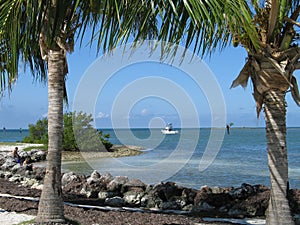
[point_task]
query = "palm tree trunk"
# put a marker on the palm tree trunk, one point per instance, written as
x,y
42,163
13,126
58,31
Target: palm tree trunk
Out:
x,y
51,205
278,212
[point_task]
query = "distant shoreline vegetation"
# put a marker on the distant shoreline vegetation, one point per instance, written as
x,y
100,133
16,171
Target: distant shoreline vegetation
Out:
x,y
142,128
78,134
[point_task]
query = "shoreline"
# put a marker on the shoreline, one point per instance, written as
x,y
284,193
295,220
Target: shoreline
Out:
x,y
226,204
6,147
26,207
115,152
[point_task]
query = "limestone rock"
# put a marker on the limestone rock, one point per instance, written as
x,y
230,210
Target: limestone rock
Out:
x,y
115,201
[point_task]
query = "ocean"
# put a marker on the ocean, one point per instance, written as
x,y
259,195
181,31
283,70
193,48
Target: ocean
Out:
x,y
192,158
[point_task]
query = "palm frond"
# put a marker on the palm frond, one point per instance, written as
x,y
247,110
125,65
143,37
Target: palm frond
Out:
x,y
295,90
19,36
288,30
274,11
243,77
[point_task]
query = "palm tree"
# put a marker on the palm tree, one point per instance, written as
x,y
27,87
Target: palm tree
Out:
x,y
268,32
40,34
271,65
265,30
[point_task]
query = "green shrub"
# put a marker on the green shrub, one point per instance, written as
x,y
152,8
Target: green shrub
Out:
x,y
78,133
38,133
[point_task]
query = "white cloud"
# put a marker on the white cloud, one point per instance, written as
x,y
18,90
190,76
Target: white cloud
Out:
x,y
102,115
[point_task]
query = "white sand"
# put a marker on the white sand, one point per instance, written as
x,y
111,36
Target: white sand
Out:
x,y
7,148
9,218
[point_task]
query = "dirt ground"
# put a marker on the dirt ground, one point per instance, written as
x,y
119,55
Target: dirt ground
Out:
x,y
87,216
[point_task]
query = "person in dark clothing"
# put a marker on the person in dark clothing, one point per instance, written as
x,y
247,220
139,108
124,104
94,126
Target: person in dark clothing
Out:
x,y
228,128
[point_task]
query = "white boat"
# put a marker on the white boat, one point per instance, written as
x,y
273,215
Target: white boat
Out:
x,y
169,130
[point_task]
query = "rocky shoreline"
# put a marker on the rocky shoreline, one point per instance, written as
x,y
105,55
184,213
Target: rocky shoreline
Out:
x,y
120,192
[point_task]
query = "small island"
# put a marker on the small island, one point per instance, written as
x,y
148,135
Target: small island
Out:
x,y
115,151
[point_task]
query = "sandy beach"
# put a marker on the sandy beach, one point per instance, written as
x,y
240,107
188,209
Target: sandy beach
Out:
x,y
9,218
116,151
6,147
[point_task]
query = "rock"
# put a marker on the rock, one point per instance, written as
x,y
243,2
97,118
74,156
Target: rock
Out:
x,y
2,159
28,182
6,174
16,178
204,207
9,163
152,200
29,167
104,180
245,201
181,202
236,213
205,189
16,167
115,201
116,184
94,178
89,191
39,173
189,195
32,152
37,186
95,184
294,200
74,184
23,154
168,191
39,156
106,177
149,188
68,178
144,201
188,208
207,201
243,192
135,185
217,190
297,219
133,198
102,195
254,205
169,205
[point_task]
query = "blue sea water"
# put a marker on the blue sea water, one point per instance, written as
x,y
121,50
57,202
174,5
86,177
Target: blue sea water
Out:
x,y
13,135
241,156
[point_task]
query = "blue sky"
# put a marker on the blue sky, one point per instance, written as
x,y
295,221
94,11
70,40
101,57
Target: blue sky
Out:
x,y
28,101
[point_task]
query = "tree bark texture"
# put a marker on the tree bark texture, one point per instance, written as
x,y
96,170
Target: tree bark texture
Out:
x,y
51,204
278,212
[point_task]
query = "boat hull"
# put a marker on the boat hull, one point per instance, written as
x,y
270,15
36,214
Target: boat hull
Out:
x,y
169,132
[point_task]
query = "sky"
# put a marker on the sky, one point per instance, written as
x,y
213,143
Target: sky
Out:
x,y
129,90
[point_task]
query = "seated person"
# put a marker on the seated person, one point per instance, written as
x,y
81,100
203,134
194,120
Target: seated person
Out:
x,y
16,155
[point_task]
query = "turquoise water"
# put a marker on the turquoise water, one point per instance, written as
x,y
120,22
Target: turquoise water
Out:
x,y
241,158
12,135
